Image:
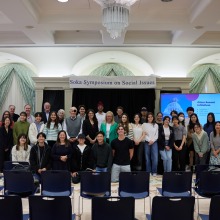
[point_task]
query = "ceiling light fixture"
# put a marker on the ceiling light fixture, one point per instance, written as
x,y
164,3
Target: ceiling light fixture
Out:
x,y
115,14
63,1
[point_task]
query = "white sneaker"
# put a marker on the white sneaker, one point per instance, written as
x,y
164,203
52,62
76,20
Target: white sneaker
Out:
x,y
154,174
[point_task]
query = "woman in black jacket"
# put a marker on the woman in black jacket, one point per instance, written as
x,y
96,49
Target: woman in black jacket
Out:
x,y
6,141
40,156
165,143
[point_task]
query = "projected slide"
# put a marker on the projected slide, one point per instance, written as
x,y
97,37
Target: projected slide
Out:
x,y
202,103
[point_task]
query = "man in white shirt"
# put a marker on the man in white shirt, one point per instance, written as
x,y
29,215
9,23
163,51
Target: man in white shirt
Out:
x,y
100,115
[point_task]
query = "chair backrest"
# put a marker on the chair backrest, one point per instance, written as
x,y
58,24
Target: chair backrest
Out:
x,y
205,167
95,184
9,165
177,182
134,184
11,208
56,182
181,208
209,183
19,183
45,208
117,208
214,210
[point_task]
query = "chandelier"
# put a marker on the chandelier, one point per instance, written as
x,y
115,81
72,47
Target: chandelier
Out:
x,y
115,15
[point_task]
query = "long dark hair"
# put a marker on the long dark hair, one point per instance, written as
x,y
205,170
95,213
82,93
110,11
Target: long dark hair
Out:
x,y
210,123
18,141
214,130
94,117
150,113
66,140
9,116
56,121
191,124
126,124
3,121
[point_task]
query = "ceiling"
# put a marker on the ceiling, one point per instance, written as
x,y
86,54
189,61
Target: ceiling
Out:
x,y
190,23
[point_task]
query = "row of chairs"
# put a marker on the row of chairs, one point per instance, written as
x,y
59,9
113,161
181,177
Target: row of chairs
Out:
x,y
40,208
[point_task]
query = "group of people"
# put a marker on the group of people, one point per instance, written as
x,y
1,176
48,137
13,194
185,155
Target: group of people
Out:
x,y
101,141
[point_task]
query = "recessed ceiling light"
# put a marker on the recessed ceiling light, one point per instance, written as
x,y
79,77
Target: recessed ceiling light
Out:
x,y
29,27
198,27
166,0
63,0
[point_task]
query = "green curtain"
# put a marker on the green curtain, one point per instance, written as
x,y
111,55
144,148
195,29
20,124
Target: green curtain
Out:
x,y
106,69
200,74
24,77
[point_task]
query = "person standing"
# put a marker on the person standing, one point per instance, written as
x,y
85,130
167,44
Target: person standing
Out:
x,y
151,146
109,127
100,115
201,144
90,127
14,116
21,126
61,153
72,126
119,111
46,112
143,115
165,143
102,154
36,127
179,147
30,118
52,128
122,151
40,156
6,141
138,139
215,145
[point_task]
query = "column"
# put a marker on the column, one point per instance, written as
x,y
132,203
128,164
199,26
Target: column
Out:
x,y
38,99
68,94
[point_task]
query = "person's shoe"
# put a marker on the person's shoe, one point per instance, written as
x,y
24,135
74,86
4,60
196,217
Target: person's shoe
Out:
x,y
154,175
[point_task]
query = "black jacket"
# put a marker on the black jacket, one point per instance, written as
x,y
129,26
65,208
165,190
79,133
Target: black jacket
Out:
x,y
45,161
161,138
81,161
6,138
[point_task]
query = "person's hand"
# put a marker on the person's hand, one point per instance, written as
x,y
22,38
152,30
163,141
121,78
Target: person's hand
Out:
x,y
63,158
200,154
74,174
151,142
167,148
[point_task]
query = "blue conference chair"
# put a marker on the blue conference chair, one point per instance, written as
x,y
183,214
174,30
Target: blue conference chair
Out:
x,y
172,208
214,209
135,184
117,208
176,184
11,208
94,184
50,208
13,165
208,185
56,183
19,183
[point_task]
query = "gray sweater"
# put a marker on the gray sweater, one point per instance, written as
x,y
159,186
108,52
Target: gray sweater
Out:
x,y
201,145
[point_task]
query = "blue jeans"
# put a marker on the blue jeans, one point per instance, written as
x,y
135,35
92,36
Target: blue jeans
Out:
x,y
98,169
151,157
166,156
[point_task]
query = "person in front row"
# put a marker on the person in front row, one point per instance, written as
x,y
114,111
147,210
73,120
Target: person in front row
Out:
x,y
61,153
21,151
81,159
102,154
122,151
40,156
